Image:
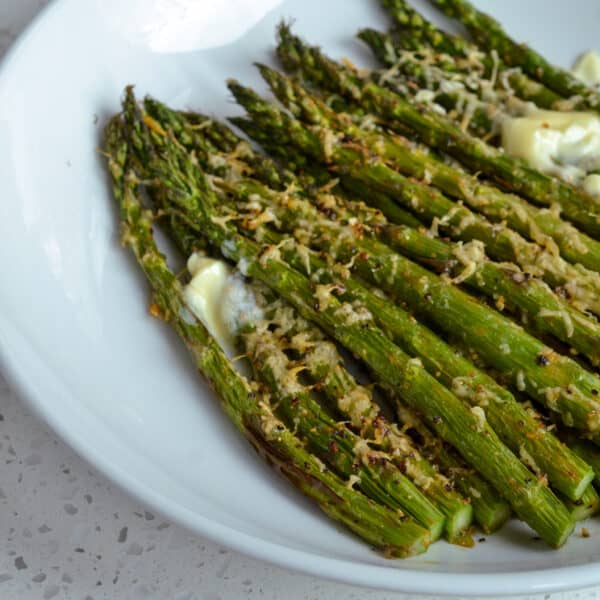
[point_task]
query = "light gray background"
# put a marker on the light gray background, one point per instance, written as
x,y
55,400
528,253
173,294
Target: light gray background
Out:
x,y
68,533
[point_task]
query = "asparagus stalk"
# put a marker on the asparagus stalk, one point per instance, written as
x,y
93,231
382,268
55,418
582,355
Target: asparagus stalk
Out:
x,y
459,95
423,32
489,509
584,508
434,297
189,191
441,360
489,513
540,225
355,403
501,241
587,451
505,283
224,153
245,160
345,452
339,384
489,34
416,33
439,132
509,419
351,185
249,411
513,423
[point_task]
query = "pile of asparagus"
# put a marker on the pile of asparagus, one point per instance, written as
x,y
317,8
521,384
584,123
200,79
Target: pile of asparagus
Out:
x,y
383,221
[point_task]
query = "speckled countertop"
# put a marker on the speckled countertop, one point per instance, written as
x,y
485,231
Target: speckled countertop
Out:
x,y
68,533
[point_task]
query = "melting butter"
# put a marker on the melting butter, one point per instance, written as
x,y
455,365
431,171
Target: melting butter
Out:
x,y
587,68
566,144
220,299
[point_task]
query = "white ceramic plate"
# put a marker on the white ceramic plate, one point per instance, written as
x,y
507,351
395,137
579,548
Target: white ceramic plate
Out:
x,y
75,336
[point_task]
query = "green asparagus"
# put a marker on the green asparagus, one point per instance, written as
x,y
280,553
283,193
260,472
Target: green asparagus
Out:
x,y
501,242
489,512
564,387
249,411
439,132
418,34
356,404
488,33
345,452
543,226
584,508
513,423
189,191
461,96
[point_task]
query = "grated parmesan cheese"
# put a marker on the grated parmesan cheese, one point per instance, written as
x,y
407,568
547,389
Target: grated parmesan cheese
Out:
x,y
356,403
527,459
563,315
350,315
520,381
471,255
475,493
479,414
352,481
271,252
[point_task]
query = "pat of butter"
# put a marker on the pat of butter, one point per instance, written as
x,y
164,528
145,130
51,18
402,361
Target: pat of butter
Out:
x,y
204,293
591,184
587,68
221,299
566,144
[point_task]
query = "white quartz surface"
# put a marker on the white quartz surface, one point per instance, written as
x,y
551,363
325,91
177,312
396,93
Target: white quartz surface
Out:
x,y
68,533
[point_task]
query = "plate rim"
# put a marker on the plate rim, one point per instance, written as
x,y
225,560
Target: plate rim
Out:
x,y
404,580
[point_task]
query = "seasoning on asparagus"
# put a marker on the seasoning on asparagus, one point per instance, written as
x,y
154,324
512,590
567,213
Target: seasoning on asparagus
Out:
x,y
355,403
502,243
418,34
248,409
439,132
565,387
348,454
509,419
490,35
465,429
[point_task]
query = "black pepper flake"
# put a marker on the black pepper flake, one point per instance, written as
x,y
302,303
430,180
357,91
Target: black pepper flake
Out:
x,y
481,540
595,392
437,419
542,360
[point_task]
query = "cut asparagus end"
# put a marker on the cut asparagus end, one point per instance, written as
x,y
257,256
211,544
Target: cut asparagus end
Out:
x,y
584,508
